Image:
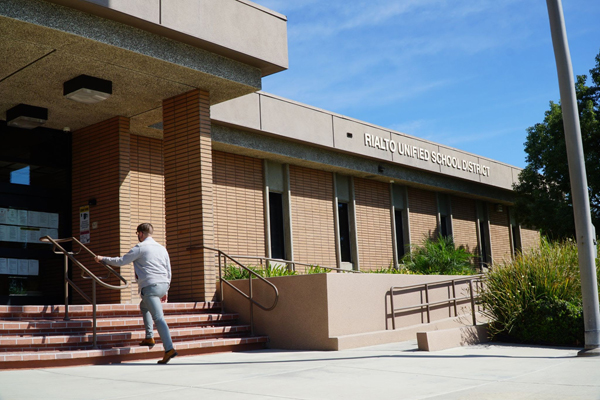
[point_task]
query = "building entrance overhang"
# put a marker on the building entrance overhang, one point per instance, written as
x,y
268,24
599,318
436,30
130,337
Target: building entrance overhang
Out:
x,y
44,45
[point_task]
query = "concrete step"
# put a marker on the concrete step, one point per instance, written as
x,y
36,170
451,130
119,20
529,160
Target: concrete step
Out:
x,y
102,310
82,325
117,355
30,343
38,337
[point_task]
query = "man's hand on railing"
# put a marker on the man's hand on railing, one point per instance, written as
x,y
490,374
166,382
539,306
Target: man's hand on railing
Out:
x,y
98,259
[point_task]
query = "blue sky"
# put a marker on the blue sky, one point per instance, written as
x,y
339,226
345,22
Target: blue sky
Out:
x,y
470,74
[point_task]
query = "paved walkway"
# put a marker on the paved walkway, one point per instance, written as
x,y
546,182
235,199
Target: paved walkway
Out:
x,y
392,371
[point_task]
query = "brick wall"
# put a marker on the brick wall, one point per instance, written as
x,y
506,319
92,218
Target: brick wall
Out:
x,y
464,223
530,239
374,224
189,195
238,204
147,191
312,216
101,171
422,205
500,234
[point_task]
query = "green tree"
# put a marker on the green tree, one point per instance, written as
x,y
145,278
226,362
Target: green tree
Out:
x,y
544,192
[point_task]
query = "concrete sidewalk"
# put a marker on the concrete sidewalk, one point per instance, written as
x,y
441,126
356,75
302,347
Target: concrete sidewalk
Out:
x,y
392,371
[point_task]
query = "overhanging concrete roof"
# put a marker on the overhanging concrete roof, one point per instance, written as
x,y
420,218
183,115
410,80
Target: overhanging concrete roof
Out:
x,y
237,29
44,44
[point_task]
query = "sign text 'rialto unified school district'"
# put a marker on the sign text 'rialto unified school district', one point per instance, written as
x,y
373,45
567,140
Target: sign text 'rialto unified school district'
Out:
x,y
420,153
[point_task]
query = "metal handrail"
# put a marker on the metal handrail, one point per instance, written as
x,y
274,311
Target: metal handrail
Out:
x,y
248,296
428,304
293,263
70,255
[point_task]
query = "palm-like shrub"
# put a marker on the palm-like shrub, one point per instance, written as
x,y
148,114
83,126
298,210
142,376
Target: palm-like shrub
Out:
x,y
536,298
438,257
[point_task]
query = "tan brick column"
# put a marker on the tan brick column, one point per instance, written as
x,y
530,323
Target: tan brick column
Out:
x,y
101,171
189,195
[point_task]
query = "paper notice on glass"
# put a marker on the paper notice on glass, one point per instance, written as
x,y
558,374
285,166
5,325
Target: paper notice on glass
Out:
x,y
3,266
23,267
34,267
53,220
44,220
33,235
13,266
13,233
3,233
23,233
33,218
23,217
12,216
3,212
84,224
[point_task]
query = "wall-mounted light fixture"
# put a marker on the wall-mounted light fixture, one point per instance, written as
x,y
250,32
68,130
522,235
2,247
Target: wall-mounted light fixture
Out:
x,y
380,169
26,116
87,89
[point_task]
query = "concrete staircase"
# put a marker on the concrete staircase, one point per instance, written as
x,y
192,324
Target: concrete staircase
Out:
x,y
38,337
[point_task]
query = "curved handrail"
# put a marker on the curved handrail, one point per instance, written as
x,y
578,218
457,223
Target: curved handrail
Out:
x,y
91,275
248,297
69,255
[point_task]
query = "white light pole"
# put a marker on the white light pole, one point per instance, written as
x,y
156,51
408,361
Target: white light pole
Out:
x,y
584,229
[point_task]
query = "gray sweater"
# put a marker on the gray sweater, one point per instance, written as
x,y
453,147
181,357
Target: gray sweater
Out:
x,y
150,261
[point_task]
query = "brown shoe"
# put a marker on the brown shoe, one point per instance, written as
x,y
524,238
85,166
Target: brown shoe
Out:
x,y
148,342
167,357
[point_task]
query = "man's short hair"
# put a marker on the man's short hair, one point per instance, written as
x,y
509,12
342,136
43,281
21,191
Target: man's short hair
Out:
x,y
146,228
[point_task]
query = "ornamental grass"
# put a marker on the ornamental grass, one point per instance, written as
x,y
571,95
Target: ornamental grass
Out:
x,y
536,298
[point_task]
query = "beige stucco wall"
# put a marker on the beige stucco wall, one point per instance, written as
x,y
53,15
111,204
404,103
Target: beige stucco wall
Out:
x,y
297,121
314,310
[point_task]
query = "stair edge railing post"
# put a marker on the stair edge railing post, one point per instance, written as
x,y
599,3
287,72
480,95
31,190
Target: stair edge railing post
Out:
x,y
66,283
95,345
472,302
251,304
427,300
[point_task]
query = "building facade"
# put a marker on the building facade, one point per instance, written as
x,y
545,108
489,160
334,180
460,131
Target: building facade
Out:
x,y
122,112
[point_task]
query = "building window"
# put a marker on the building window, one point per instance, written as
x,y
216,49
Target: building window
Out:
x,y
485,251
277,212
399,224
346,241
344,225
399,221
20,176
444,214
515,233
277,226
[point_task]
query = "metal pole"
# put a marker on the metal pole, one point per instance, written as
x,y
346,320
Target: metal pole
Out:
x,y
473,313
95,344
577,174
66,268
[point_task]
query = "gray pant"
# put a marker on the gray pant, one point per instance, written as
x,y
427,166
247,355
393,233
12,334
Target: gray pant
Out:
x,y
151,308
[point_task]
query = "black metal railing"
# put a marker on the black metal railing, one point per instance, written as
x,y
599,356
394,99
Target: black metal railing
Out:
x,y
85,274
